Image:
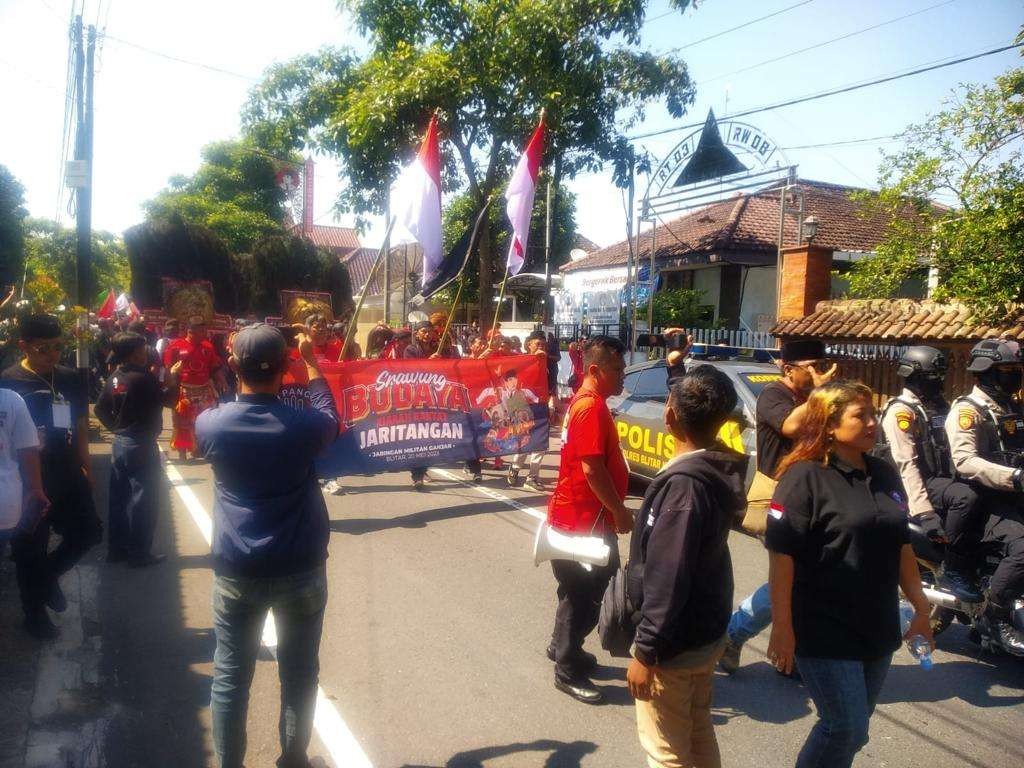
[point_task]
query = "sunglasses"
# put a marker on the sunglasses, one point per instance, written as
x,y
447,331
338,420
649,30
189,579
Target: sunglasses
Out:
x,y
42,349
820,366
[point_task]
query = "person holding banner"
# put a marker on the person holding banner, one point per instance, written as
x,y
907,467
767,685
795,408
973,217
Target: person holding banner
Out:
x,y
588,500
532,461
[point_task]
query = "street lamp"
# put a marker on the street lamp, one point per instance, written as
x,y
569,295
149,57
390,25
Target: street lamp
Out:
x,y
809,229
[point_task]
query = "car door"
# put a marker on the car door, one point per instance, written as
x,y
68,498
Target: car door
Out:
x,y
639,418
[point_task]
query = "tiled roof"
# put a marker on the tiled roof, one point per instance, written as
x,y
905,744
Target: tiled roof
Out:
x,y
749,223
338,240
897,320
585,243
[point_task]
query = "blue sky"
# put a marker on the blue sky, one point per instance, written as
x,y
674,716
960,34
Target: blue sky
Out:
x,y
153,115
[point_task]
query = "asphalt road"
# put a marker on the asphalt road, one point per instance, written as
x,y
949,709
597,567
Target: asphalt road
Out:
x,y
433,653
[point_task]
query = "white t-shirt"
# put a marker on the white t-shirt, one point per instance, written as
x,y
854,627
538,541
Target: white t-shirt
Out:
x,y
17,432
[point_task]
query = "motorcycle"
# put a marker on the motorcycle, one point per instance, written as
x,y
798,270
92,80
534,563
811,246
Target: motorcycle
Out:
x,y
945,606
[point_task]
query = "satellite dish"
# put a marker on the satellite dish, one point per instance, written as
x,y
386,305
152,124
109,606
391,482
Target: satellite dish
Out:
x,y
418,316
577,253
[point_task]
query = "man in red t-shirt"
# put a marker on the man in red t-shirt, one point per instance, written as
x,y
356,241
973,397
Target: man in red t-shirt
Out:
x,y
588,500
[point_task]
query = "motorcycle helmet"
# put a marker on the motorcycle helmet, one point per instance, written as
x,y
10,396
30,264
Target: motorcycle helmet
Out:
x,y
991,352
927,361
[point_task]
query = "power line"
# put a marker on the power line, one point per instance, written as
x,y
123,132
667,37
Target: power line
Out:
x,y
831,92
847,142
846,36
179,59
738,26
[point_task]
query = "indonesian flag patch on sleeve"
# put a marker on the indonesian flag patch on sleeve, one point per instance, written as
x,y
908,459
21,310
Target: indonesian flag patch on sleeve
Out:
x,y
776,510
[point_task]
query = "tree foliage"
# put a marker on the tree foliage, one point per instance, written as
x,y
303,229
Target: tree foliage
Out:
x,y
679,308
489,66
970,153
12,230
51,259
234,194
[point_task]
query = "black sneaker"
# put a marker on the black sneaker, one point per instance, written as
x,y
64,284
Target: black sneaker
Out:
x,y
961,586
513,476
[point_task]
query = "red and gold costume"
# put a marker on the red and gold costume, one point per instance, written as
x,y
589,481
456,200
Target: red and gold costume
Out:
x,y
196,392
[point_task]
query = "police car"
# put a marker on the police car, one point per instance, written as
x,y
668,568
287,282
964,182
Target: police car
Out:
x,y
639,411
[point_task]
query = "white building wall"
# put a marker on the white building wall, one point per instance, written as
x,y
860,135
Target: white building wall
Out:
x,y
708,280
758,306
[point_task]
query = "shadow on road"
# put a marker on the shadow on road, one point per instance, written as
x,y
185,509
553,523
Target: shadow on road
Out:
x,y
760,693
562,754
359,526
149,655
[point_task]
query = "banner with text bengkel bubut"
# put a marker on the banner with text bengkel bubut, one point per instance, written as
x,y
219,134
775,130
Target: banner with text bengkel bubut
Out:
x,y
400,414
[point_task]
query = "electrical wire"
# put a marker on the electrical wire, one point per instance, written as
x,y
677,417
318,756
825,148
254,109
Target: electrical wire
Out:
x,y
831,92
846,142
179,59
845,36
738,26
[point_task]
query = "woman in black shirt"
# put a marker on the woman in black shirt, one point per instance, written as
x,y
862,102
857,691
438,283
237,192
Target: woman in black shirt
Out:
x,y
837,533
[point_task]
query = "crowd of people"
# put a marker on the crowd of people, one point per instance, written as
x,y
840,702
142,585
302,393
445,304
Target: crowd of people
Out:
x,y
833,511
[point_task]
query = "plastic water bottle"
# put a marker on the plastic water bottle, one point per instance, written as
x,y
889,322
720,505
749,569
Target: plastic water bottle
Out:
x,y
921,650
906,616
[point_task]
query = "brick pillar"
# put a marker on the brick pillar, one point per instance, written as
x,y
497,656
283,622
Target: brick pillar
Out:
x,y
806,279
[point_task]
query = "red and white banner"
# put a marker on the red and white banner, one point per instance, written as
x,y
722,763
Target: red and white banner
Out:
x,y
400,414
521,190
416,201
107,310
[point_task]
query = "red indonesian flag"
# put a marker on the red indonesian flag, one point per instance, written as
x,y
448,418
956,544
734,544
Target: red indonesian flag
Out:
x,y
107,310
416,201
520,195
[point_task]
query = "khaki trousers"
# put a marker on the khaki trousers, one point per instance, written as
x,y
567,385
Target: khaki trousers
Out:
x,y
675,725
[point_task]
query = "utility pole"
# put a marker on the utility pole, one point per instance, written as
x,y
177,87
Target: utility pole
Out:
x,y
84,56
547,257
630,300
387,260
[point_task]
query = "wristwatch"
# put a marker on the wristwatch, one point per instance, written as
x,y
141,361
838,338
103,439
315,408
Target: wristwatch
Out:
x,y
1018,479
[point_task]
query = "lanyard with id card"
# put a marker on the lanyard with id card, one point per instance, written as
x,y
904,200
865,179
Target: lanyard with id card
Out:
x,y
61,413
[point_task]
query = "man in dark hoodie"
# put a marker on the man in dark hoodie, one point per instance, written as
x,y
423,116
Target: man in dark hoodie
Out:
x,y
685,591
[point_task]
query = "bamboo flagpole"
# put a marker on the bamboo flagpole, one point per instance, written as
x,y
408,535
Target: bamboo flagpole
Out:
x,y
451,312
362,297
501,298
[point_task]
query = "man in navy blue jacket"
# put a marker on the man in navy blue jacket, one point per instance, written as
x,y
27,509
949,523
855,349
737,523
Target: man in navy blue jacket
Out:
x,y
270,533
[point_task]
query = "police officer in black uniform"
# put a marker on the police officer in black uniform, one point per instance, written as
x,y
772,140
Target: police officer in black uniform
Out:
x,y
986,440
914,426
130,406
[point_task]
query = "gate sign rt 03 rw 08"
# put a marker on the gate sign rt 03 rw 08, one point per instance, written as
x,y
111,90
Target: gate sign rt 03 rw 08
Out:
x,y
716,151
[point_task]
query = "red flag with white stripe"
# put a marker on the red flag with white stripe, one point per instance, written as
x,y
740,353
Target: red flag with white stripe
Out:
x,y
520,193
416,201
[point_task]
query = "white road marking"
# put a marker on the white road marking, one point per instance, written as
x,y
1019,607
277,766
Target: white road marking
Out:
x,y
332,730
531,511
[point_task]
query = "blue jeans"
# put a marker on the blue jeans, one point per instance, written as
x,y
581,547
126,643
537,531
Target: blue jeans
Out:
x,y
752,617
240,607
844,693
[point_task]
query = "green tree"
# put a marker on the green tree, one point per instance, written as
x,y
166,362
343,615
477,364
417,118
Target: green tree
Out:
x,y
12,229
234,194
679,308
489,66
971,154
50,252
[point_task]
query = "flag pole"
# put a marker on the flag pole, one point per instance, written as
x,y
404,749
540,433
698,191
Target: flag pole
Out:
x,y
451,312
362,297
501,297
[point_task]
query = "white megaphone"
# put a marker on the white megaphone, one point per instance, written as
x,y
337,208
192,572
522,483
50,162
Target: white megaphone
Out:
x,y
552,544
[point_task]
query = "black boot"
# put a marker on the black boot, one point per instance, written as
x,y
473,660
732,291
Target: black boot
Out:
x,y
1001,630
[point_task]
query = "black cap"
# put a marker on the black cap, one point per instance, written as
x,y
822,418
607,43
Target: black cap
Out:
x,y
38,327
259,348
804,349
